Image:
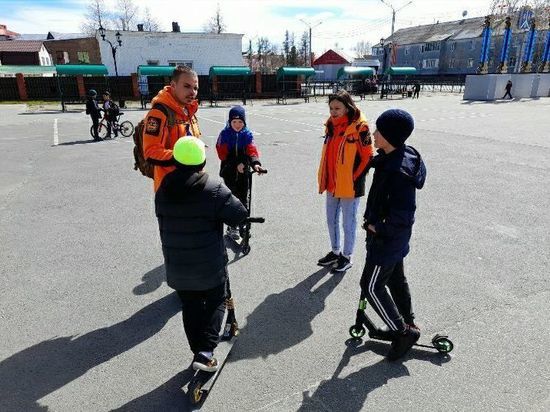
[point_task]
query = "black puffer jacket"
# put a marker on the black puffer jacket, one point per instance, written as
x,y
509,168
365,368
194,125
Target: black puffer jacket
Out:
x,y
392,203
191,209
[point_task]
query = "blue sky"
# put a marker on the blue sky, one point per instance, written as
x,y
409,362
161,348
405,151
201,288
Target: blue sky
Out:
x,y
344,22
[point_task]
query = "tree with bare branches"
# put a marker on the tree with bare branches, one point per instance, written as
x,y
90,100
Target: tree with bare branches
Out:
x,y
96,15
150,23
216,23
126,14
362,49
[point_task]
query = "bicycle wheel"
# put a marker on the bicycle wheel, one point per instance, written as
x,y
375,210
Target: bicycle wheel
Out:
x,y
102,130
126,128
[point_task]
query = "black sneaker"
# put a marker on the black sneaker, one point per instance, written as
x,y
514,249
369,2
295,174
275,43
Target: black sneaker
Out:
x,y
330,259
205,364
343,264
403,343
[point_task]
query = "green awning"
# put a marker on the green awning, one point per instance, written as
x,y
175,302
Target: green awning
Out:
x,y
403,71
76,69
155,70
230,71
26,69
355,71
295,71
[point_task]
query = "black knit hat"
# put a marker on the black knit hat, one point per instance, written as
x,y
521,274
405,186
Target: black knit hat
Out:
x,y
237,112
395,125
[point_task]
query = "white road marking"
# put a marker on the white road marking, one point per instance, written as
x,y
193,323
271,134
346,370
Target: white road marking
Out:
x,y
55,133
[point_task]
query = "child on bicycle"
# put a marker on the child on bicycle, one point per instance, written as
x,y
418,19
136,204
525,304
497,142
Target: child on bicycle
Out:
x,y
238,153
111,112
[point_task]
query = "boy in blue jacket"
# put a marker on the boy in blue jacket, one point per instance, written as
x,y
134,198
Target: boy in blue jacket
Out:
x,y
388,219
237,152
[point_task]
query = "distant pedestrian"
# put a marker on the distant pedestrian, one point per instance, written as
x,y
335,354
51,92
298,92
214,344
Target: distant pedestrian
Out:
x,y
508,89
416,91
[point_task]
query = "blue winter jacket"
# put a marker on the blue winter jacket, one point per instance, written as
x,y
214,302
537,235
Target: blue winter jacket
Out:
x,y
391,203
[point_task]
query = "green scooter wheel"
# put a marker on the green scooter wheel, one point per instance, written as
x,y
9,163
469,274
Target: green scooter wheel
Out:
x,y
357,333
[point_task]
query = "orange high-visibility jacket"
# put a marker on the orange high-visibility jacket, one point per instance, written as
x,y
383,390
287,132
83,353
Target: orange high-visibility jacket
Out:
x,y
159,138
354,154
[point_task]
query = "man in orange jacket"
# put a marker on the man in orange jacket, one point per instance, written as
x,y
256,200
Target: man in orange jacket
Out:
x,y
172,116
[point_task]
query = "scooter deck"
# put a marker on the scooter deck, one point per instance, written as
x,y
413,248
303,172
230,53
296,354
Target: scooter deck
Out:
x,y
203,382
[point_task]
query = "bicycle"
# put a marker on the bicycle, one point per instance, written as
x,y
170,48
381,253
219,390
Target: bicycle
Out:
x,y
126,128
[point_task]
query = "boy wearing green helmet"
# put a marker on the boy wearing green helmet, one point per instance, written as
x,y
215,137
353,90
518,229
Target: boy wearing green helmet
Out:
x,y
192,208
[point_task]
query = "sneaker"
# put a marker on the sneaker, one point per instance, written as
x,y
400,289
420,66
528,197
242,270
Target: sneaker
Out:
x,y
233,233
330,259
343,264
403,343
203,363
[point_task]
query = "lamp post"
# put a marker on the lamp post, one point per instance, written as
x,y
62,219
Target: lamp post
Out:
x,y
310,29
114,48
394,12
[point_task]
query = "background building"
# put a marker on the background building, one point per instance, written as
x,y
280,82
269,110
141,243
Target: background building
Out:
x,y
197,50
454,47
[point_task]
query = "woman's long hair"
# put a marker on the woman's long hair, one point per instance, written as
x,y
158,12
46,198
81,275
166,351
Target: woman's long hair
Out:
x,y
353,111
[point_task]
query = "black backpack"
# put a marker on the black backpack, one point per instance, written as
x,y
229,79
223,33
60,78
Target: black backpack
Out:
x,y
140,163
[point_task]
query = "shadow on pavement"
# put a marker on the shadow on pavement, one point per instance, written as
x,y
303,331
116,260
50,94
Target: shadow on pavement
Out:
x,y
350,392
39,370
283,319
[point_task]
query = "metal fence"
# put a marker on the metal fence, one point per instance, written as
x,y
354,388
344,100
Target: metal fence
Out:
x,y
8,88
42,88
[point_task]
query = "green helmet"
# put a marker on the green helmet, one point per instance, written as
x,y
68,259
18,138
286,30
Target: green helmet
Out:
x,y
189,151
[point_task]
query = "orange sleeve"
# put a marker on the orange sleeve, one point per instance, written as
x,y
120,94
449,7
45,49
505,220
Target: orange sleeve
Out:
x,y
155,134
364,149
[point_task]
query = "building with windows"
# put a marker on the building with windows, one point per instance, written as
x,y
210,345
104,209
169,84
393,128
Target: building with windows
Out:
x,y
24,52
197,50
454,47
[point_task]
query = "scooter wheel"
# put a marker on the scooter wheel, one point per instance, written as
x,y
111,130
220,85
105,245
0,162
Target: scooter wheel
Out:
x,y
442,343
246,250
195,391
357,333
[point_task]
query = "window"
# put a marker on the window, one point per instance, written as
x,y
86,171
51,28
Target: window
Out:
x,y
434,46
452,64
407,49
42,61
61,57
187,63
152,62
83,57
472,44
430,63
453,46
512,61
470,63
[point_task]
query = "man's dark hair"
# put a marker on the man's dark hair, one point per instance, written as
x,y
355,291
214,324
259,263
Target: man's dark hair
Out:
x,y
181,69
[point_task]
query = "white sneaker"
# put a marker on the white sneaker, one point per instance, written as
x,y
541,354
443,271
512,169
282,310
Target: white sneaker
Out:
x,y
233,233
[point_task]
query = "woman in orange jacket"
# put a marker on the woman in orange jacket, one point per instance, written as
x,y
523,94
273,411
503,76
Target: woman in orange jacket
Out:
x,y
347,151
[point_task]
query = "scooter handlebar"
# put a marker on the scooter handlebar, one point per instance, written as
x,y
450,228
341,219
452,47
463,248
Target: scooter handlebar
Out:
x,y
255,220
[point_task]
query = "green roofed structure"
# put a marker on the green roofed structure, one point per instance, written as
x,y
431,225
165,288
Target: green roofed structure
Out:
x,y
155,70
81,69
295,71
355,71
289,83
38,70
229,82
401,71
230,71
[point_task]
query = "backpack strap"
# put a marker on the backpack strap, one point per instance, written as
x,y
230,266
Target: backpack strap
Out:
x,y
169,113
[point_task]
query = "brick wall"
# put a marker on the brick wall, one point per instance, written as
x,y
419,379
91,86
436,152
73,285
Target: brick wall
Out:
x,y
72,47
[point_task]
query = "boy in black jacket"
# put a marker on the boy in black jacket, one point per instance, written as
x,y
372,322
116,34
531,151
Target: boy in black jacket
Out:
x,y
389,217
191,209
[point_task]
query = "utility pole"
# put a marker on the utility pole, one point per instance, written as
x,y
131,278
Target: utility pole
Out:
x,y
310,30
394,11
